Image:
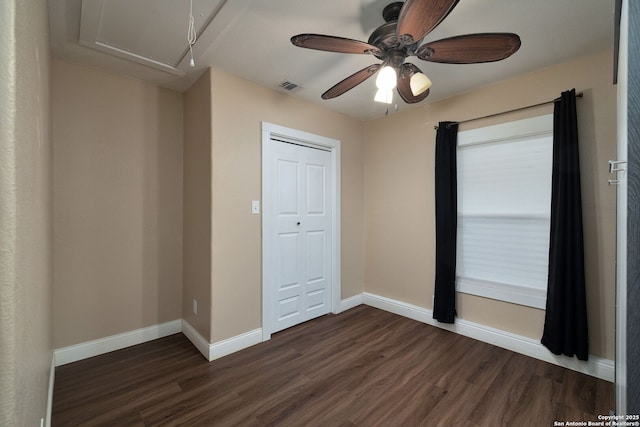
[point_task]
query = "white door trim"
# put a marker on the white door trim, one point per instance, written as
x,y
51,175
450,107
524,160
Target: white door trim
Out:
x,y
294,136
621,220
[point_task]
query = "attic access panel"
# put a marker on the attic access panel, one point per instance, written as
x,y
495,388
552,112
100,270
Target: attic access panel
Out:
x,y
149,32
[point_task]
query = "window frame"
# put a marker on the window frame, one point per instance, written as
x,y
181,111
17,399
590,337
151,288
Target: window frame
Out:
x,y
534,127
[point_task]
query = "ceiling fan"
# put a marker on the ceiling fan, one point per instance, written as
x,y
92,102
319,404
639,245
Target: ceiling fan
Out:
x,y
406,25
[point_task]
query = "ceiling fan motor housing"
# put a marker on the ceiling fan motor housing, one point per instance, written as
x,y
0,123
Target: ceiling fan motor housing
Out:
x,y
395,58
392,51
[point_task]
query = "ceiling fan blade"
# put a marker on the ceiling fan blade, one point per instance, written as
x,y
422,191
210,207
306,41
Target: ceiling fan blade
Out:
x,y
470,48
404,88
419,17
334,44
351,81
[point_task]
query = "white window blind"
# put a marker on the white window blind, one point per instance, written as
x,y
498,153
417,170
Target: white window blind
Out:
x,y
504,203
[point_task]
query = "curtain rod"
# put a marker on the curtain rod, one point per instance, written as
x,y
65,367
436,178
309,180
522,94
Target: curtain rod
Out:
x,y
578,95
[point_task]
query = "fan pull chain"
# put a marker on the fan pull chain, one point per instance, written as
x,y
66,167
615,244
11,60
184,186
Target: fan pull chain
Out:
x,y
191,34
386,110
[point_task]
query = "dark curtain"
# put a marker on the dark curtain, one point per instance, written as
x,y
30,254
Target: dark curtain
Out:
x,y
565,325
444,304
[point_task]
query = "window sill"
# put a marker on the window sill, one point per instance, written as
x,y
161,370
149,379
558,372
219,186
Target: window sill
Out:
x,y
522,295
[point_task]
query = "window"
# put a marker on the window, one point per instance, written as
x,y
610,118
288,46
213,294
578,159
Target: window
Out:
x,y
504,204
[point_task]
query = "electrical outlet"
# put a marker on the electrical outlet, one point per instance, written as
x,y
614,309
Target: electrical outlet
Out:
x,y
195,307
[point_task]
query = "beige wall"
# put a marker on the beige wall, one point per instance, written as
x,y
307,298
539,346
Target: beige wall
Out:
x,y
197,205
399,161
238,108
25,213
118,207
117,153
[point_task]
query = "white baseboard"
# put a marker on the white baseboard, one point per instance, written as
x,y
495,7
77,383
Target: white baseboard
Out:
x,y
350,302
221,348
596,366
210,351
233,344
52,380
115,342
199,342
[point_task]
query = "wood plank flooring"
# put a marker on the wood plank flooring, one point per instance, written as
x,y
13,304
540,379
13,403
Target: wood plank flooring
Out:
x,y
363,367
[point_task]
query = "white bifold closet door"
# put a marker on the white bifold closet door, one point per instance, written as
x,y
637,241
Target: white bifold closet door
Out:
x,y
301,245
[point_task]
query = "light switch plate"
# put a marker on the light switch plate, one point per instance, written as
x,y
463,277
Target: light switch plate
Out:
x,y
255,207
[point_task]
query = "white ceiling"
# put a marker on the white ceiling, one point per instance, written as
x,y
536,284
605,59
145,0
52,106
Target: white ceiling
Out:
x,y
250,38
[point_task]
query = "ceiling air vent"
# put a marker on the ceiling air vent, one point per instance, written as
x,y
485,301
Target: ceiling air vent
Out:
x,y
288,86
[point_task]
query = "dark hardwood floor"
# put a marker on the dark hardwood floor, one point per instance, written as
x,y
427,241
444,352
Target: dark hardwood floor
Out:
x,y
364,367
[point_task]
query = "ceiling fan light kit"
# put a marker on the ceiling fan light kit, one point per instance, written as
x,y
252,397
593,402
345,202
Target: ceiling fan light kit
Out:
x,y
407,23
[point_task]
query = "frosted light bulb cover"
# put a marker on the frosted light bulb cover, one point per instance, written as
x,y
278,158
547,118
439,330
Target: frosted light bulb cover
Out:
x,y
387,78
419,83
